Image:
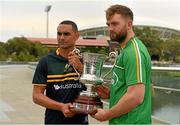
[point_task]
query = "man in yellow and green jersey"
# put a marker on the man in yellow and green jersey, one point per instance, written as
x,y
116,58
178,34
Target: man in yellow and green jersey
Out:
x,y
56,79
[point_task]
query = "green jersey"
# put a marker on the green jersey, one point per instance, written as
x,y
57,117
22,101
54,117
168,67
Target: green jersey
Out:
x,y
133,66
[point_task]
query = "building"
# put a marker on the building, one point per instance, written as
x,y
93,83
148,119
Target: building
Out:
x,y
99,37
80,43
164,33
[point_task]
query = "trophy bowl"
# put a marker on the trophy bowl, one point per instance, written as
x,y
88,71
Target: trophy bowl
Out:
x,y
88,101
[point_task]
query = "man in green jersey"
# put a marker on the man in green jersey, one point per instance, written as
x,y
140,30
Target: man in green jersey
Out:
x,y
130,92
56,79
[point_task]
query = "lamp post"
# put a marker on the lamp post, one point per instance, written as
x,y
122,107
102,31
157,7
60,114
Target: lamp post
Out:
x,y
47,9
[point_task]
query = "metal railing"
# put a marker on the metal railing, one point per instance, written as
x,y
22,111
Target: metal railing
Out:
x,y
154,68
157,68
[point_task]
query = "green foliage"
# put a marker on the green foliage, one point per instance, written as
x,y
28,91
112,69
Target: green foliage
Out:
x,y
171,46
3,52
20,49
150,39
100,50
167,50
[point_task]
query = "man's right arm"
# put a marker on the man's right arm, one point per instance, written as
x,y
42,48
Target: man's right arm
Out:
x,y
41,99
39,83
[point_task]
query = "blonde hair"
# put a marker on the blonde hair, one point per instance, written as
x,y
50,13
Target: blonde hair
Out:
x,y
119,9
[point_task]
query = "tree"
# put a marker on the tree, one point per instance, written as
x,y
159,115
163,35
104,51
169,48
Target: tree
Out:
x,y
152,41
21,49
3,52
172,47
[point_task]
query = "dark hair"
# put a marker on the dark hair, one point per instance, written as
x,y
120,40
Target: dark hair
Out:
x,y
73,24
119,9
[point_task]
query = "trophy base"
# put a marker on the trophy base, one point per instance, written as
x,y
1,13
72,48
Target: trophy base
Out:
x,y
84,108
86,105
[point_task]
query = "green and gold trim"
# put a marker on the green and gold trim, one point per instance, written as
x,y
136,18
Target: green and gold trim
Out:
x,y
138,60
39,84
62,77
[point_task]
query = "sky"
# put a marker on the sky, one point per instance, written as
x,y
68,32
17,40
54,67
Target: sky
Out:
x,y
27,17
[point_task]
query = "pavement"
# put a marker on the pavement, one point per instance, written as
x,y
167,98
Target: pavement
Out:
x,y
16,105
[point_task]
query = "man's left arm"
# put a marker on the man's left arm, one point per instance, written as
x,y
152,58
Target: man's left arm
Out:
x,y
131,99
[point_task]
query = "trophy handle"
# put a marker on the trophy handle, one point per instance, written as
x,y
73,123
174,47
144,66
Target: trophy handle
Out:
x,y
77,52
113,56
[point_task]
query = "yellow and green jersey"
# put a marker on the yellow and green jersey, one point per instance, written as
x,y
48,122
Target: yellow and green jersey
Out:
x,y
133,66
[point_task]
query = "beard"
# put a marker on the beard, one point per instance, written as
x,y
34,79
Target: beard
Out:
x,y
120,36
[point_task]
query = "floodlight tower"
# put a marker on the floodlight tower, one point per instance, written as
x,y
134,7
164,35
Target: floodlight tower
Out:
x,y
47,9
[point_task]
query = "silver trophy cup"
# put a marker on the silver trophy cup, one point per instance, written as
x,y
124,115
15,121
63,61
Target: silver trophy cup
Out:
x,y
88,101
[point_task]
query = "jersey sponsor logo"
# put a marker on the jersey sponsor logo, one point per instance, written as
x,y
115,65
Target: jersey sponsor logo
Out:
x,y
67,86
114,79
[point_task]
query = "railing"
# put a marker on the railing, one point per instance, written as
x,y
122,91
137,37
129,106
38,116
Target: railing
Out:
x,y
155,68
160,69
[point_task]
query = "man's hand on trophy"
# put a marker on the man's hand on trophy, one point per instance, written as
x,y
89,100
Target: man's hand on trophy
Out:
x,y
93,112
101,115
66,110
75,61
103,91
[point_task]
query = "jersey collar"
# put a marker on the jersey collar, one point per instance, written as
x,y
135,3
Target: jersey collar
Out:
x,y
130,40
58,51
